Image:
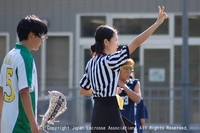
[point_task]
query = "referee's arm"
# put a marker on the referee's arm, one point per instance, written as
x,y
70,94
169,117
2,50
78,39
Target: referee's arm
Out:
x,y
85,92
148,32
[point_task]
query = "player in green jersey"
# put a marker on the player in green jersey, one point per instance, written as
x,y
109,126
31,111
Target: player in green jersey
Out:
x,y
18,79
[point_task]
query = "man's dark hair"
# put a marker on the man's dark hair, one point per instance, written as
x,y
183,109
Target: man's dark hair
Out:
x,y
31,23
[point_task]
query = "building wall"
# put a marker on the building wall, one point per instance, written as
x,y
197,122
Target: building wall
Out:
x,y
61,13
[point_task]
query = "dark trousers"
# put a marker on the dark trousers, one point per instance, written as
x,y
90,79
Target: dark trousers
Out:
x,y
106,116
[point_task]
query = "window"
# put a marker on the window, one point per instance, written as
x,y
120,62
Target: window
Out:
x,y
194,69
156,84
194,21
90,23
57,52
127,26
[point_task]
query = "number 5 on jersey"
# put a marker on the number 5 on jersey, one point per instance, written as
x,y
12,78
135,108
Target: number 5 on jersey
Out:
x,y
9,97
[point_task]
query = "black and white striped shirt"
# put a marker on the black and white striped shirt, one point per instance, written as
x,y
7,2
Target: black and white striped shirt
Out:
x,y
102,73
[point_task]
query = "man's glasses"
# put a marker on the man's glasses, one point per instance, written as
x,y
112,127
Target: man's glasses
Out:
x,y
127,68
43,36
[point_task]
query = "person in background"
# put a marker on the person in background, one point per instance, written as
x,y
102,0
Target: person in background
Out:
x,y
18,79
102,75
136,113
92,50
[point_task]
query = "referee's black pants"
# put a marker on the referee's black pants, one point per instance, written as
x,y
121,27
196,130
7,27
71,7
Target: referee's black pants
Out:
x,y
106,116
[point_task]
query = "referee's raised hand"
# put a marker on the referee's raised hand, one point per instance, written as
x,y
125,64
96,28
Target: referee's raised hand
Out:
x,y
149,31
162,15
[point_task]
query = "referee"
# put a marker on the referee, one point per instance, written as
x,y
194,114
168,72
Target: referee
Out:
x,y
102,74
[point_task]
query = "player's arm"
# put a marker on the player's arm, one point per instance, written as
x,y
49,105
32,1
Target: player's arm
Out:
x,y
131,94
27,105
85,92
137,88
148,32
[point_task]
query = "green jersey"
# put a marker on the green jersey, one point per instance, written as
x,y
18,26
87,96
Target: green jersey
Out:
x,y
18,71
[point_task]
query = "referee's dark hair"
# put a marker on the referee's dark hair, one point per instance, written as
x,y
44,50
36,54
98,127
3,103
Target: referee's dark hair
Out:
x,y
103,32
